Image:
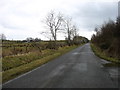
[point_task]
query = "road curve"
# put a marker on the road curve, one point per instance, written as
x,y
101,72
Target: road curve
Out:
x,y
79,68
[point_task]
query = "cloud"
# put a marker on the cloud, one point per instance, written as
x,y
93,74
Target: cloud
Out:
x,y
93,14
20,19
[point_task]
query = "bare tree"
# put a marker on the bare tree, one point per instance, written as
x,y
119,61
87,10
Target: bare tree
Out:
x,y
68,28
74,31
71,29
54,21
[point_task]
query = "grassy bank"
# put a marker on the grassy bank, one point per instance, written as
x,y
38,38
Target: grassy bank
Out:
x,y
103,55
16,71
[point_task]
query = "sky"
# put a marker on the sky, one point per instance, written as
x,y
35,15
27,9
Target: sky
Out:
x,y
20,19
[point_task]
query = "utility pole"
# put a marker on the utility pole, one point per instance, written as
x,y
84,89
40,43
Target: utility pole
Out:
x,y
119,9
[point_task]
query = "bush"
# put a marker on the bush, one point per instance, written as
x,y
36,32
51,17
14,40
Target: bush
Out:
x,y
107,38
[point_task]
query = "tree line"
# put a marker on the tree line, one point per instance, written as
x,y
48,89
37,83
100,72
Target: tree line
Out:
x,y
107,37
57,22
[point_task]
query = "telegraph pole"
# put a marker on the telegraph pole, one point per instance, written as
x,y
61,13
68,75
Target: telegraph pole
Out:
x,y
119,9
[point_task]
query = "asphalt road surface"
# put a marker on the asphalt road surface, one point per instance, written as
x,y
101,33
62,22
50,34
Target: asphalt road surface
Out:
x,y
79,68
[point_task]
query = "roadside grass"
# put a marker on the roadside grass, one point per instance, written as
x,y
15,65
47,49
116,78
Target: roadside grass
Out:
x,y
15,61
101,54
16,71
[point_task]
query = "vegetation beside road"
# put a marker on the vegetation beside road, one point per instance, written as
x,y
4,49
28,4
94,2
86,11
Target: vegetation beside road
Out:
x,y
25,66
106,41
103,55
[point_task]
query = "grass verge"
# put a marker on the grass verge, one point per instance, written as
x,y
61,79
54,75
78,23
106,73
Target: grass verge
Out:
x,y
14,72
102,55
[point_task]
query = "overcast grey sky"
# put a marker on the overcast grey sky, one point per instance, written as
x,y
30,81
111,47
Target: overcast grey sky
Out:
x,y
20,19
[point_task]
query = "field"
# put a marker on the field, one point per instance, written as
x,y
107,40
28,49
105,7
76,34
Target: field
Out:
x,y
18,53
11,48
20,57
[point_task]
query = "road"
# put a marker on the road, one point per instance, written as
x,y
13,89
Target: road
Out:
x,y
79,68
